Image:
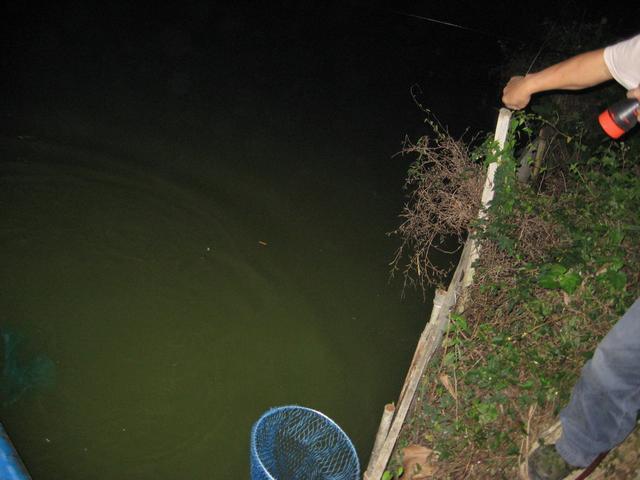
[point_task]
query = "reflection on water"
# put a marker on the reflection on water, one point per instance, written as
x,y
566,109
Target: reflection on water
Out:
x,y
22,370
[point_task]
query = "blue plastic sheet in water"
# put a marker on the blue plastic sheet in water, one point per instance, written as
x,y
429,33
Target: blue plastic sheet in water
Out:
x,y
11,467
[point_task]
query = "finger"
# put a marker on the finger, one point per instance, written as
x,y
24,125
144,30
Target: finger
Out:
x,y
634,93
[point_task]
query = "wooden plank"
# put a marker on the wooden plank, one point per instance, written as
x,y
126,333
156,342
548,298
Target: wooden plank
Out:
x,y
488,192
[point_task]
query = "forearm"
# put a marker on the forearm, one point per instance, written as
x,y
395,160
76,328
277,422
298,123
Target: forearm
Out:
x,y
582,71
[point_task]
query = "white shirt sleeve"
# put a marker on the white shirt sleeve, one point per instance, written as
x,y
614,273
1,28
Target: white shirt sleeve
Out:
x,y
623,61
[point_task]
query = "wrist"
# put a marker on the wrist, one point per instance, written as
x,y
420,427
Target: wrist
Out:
x,y
530,83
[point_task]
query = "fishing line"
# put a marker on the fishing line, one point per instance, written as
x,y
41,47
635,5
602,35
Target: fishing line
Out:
x,y
544,43
539,52
485,33
441,22
454,25
547,37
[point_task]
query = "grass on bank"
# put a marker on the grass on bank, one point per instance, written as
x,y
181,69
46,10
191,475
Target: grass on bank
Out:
x,y
559,264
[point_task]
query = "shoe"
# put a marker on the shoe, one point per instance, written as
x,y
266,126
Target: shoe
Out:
x,y
545,463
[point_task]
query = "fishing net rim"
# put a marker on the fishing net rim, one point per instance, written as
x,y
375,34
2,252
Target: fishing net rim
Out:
x,y
274,410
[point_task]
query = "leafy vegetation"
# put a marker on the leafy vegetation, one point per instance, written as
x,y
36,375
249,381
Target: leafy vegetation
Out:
x,y
559,264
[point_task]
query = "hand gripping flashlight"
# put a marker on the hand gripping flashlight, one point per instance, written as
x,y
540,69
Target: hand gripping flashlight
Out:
x,y
620,117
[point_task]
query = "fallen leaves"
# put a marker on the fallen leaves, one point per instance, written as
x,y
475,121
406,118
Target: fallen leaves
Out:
x,y
419,462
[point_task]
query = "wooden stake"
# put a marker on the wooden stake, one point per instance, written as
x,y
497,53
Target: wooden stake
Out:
x,y
381,436
500,136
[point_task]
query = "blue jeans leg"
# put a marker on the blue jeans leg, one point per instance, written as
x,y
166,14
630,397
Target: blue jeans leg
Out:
x,y
605,401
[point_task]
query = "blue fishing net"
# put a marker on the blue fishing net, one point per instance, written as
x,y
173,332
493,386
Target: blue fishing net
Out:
x,y
22,369
297,443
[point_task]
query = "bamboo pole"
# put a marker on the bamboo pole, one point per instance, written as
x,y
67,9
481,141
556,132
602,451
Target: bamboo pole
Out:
x,y
443,302
381,436
418,360
427,345
544,138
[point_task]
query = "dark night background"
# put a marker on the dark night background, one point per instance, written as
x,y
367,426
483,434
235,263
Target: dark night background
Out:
x,y
346,66
311,98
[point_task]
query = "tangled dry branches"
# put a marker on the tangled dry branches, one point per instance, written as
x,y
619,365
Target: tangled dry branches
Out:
x,y
445,186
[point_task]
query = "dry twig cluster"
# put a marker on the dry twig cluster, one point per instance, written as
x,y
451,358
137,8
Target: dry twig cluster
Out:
x,y
445,187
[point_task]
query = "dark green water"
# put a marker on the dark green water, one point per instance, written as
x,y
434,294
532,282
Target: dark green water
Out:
x,y
177,311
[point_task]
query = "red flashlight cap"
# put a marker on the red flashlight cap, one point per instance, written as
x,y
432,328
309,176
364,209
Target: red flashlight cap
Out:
x,y
609,125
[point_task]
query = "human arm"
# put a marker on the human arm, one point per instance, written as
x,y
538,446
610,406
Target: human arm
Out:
x,y
582,71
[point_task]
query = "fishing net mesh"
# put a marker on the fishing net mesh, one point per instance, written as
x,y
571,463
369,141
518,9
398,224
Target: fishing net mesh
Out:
x,y
296,443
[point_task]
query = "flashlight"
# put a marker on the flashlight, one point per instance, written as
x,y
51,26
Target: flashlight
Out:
x,y
620,117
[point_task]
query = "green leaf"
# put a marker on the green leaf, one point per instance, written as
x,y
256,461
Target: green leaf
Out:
x,y
616,264
554,275
527,385
450,358
616,235
556,269
487,413
616,280
387,475
547,280
460,322
569,282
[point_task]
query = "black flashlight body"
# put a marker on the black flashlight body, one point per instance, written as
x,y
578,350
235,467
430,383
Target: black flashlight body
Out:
x,y
620,117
